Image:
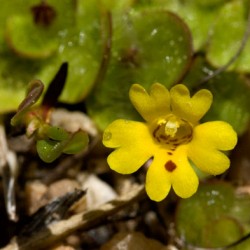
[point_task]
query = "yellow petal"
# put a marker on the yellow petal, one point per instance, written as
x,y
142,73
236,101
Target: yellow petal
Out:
x,y
208,160
151,106
126,133
217,134
167,170
127,160
187,108
158,179
134,142
184,179
208,139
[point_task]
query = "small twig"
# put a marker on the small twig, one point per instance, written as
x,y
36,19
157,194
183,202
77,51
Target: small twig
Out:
x,y
54,211
84,221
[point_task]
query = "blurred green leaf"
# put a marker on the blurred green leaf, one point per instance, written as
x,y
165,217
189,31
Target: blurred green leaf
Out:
x,y
231,94
147,46
77,34
28,40
227,37
206,219
199,15
60,141
77,143
49,150
35,90
57,133
222,232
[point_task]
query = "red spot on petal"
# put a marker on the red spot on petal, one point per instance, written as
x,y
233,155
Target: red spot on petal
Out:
x,y
170,166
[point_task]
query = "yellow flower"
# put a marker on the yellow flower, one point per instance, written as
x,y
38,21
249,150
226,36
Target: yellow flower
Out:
x,y
172,136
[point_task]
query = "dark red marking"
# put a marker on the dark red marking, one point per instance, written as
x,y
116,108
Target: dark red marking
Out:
x,y
169,153
155,131
174,140
164,137
170,166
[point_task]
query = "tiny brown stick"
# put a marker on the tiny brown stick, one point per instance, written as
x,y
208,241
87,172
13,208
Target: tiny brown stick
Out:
x,y
84,221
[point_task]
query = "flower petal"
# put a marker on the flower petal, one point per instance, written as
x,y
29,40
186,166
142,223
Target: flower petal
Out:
x,y
184,179
190,109
127,160
208,160
208,139
153,105
134,142
126,133
217,134
167,170
158,182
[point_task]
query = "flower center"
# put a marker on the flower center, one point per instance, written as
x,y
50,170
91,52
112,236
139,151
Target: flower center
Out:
x,y
172,131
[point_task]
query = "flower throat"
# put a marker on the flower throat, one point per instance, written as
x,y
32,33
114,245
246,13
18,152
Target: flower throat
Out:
x,y
172,131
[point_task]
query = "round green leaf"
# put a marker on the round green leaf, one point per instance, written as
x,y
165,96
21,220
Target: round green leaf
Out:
x,y
147,46
227,36
206,211
49,150
28,39
199,15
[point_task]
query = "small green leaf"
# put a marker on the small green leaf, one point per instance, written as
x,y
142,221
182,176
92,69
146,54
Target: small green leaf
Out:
x,y
35,90
57,133
77,143
49,150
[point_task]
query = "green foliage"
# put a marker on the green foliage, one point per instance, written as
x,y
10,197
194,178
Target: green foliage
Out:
x,y
31,51
231,94
214,217
42,43
110,45
35,89
223,45
59,142
148,46
52,141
